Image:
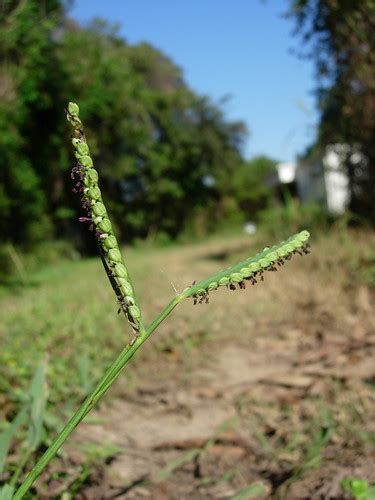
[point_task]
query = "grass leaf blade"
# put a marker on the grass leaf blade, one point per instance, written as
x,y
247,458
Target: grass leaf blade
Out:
x,y
6,492
7,436
38,395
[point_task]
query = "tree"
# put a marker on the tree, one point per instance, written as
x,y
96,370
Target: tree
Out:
x,y
250,186
339,35
29,101
154,139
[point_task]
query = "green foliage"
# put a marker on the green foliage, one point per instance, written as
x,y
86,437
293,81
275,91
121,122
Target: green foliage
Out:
x,y
159,140
7,435
32,413
358,488
16,266
338,36
366,270
29,125
293,217
249,184
38,400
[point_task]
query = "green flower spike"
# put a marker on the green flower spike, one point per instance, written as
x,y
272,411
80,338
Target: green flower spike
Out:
x,y
87,185
251,269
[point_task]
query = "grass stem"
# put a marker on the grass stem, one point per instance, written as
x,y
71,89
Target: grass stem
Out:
x,y
103,385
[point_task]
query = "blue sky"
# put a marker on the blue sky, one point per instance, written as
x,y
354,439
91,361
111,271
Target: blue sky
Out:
x,y
239,48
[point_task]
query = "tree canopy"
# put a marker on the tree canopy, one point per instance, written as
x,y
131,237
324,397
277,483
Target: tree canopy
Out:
x,y
339,37
163,151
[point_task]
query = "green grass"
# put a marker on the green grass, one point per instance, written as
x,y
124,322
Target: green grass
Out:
x,y
67,312
68,315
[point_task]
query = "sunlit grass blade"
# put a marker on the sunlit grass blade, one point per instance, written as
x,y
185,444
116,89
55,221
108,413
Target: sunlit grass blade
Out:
x,y
6,492
38,401
7,436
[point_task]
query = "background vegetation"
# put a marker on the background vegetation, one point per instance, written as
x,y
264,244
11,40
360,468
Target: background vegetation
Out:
x,y
338,36
170,160
166,154
172,168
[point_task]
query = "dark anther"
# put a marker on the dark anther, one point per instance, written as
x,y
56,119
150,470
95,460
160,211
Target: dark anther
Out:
x,y
77,173
306,249
231,286
207,299
242,285
121,303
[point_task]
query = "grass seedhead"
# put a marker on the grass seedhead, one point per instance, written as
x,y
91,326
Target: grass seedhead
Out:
x,y
87,186
251,269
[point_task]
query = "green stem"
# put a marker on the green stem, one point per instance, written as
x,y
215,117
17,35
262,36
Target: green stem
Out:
x,y
103,385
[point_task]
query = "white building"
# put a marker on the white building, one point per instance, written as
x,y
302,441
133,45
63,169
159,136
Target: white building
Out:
x,y
322,179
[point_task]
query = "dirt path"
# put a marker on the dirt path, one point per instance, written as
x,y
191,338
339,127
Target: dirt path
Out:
x,y
179,441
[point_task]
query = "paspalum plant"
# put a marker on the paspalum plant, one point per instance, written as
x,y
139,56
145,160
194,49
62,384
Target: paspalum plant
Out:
x,y
250,271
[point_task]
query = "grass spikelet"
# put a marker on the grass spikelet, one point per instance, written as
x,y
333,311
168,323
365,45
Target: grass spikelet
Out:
x,y
86,178
251,268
